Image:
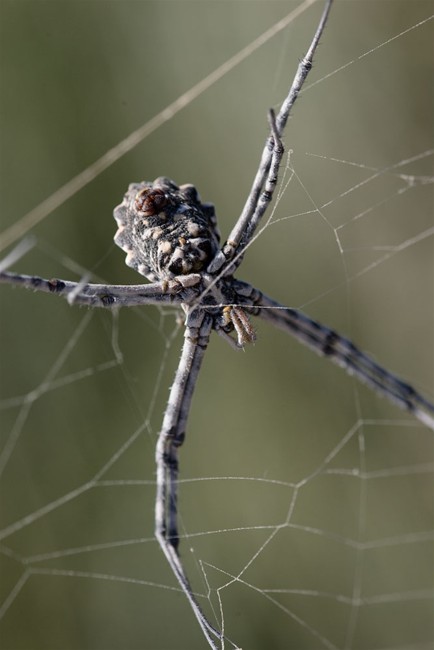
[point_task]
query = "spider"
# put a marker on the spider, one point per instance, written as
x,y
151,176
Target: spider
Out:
x,y
171,237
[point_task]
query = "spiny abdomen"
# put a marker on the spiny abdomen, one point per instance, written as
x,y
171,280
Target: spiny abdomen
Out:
x,y
166,230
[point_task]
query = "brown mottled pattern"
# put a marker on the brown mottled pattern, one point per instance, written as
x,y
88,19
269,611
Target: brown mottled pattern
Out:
x,y
166,230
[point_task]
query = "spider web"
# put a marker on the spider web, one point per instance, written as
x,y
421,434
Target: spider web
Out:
x,y
305,501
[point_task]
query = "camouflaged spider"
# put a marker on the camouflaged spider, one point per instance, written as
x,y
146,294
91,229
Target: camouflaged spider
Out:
x,y
171,237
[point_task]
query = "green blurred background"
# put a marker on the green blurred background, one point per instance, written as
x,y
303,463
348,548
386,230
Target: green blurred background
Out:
x,y
78,77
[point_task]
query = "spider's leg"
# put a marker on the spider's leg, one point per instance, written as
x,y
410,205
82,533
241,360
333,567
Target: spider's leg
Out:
x,y
270,184
102,295
343,352
171,437
242,235
244,228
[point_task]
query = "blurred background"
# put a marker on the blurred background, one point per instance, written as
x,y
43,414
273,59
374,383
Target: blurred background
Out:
x,y
345,560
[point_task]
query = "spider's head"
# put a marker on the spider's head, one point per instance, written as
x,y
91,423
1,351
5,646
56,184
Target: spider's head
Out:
x,y
166,230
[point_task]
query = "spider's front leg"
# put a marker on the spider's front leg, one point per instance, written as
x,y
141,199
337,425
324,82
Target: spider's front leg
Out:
x,y
340,350
171,437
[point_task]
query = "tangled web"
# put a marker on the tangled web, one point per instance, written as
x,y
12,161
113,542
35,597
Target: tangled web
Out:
x,y
305,501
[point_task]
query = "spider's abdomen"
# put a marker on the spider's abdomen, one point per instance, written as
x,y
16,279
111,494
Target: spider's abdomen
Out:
x,y
166,230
